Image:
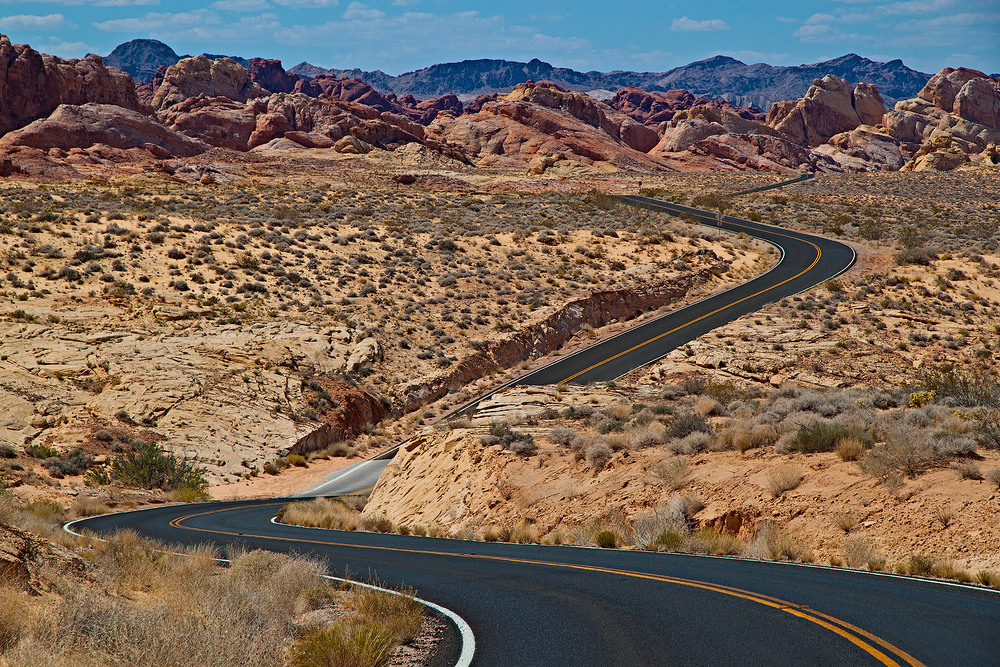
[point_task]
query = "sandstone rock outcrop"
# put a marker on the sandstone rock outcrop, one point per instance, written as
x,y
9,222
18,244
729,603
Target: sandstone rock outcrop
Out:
x,y
828,108
200,76
542,119
953,121
653,108
32,85
271,76
72,126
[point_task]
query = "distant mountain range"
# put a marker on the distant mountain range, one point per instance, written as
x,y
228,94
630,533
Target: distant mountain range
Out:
x,y
720,77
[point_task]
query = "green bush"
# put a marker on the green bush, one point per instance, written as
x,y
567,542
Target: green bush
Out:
x,y
40,451
148,466
607,539
343,645
823,437
296,460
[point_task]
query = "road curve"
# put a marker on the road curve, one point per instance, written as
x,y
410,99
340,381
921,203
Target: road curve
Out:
x,y
538,605
541,605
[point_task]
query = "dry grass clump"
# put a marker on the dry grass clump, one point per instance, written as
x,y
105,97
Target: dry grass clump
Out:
x,y
344,645
845,522
850,448
783,478
673,473
967,470
336,514
772,543
859,551
993,477
400,615
13,617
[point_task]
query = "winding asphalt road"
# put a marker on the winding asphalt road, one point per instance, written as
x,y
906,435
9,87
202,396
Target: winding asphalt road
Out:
x,y
538,605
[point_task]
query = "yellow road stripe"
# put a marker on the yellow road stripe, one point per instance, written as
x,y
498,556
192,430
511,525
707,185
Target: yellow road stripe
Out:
x,y
823,620
819,255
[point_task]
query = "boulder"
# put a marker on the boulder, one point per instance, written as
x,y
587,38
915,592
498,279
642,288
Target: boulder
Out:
x,y
868,104
979,101
217,121
827,109
196,76
942,88
83,126
271,76
32,85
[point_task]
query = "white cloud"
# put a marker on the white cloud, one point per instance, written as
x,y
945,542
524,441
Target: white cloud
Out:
x,y
67,49
404,3
196,20
684,24
295,4
356,10
240,5
30,21
87,3
916,7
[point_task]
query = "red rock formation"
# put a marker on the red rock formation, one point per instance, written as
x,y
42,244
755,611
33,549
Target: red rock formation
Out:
x,y
828,108
218,121
271,76
71,126
656,107
200,76
357,410
32,85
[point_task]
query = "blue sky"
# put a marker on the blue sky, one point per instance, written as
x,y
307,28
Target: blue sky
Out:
x,y
401,35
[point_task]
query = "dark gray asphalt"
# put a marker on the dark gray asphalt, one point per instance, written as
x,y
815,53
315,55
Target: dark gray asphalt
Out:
x,y
534,605
556,610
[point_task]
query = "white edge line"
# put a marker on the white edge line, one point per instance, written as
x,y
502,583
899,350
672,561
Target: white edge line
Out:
x,y
465,631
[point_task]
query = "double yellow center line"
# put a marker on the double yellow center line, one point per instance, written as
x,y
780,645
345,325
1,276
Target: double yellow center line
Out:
x,y
875,646
667,208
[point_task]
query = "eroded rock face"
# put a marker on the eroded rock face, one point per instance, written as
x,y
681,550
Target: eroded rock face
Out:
x,y
196,76
953,122
32,85
828,108
270,75
653,108
218,121
542,119
71,126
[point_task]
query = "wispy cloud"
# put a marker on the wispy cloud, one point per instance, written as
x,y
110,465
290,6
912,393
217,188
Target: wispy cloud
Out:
x,y
684,24
31,21
87,3
306,3
356,10
240,5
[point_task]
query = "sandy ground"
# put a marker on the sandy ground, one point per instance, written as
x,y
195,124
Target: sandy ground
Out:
x,y
291,480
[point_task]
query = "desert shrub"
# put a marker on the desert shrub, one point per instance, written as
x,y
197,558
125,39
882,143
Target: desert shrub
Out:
x,y
598,455
986,428
782,479
607,539
148,466
709,541
917,565
7,452
296,460
84,506
673,473
692,443
993,477
850,448
845,522
968,470
400,615
771,543
962,389
670,517
743,436
320,513
518,442
824,436
41,451
378,523
686,424
344,645
906,451
46,509
522,532
706,406
920,256
859,551
13,617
